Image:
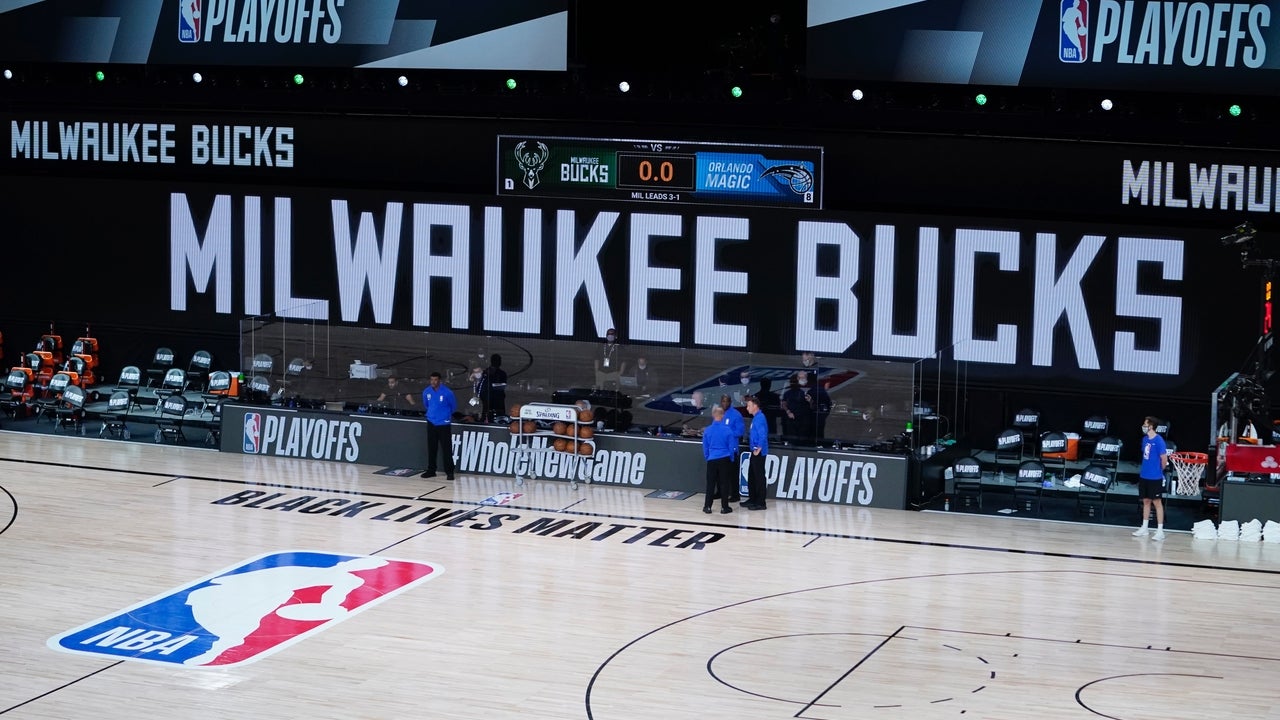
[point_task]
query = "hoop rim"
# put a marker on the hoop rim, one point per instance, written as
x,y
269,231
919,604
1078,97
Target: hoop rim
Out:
x,y
1186,456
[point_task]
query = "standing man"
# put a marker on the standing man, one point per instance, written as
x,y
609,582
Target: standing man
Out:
x,y
759,451
1155,457
718,449
493,388
609,363
770,403
440,404
732,417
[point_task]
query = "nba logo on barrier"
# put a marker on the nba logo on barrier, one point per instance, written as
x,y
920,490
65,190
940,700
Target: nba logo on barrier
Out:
x,y
252,432
1073,42
248,611
188,21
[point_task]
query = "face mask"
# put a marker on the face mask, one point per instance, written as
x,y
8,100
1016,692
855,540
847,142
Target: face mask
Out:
x,y
744,380
803,382
610,338
476,376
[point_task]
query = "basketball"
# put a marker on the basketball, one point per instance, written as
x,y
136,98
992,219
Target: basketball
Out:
x,y
530,426
514,426
586,416
560,428
560,444
515,410
585,448
586,431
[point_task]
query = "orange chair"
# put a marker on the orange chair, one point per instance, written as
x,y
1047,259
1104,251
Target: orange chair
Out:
x,y
51,344
87,348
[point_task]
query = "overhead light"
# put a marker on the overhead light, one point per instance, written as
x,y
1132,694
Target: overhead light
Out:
x,y
980,99
99,76
1234,110
1107,104
511,83
403,81
197,78
624,86
735,91
8,74
857,94
298,79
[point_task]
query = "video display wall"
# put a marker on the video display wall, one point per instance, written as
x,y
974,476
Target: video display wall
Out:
x,y
1119,44
408,34
1095,305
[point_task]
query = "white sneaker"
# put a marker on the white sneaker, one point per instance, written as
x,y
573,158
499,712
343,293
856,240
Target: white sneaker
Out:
x,y
1140,532
1158,536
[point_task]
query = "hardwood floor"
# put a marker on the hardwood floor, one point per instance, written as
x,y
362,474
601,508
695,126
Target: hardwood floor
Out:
x,y
596,602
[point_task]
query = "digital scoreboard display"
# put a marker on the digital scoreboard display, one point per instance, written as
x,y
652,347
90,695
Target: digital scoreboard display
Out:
x,y
660,171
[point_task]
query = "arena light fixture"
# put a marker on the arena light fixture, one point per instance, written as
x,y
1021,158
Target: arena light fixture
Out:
x,y
1106,104
1234,110
857,94
197,78
402,81
512,84
980,99
298,79
99,76
736,91
624,86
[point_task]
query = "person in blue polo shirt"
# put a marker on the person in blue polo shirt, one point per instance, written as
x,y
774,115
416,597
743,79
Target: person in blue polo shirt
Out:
x,y
718,448
759,451
1155,457
440,404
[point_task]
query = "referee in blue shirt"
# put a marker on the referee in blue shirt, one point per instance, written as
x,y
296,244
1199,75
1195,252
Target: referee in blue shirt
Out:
x,y
718,448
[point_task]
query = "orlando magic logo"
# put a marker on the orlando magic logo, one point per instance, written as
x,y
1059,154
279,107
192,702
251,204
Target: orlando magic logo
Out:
x,y
798,178
247,611
188,21
532,162
1073,43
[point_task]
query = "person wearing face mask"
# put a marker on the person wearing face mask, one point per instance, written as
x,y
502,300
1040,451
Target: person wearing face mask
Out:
x,y
492,388
609,363
645,376
797,410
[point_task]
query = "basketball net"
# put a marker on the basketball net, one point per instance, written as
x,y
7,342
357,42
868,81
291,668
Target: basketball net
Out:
x,y
1189,467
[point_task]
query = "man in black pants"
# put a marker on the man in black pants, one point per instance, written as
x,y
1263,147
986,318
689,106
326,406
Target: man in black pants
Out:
x,y
718,448
493,389
756,486
440,404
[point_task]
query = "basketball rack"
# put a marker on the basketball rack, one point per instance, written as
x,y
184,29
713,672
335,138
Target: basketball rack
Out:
x,y
1189,468
565,426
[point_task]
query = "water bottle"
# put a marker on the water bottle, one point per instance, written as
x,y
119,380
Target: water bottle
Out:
x,y
946,505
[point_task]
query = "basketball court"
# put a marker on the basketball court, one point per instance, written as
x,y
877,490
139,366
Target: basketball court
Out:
x,y
380,596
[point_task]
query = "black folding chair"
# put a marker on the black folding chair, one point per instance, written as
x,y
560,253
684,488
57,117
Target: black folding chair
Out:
x,y
161,362
69,412
173,412
115,421
175,383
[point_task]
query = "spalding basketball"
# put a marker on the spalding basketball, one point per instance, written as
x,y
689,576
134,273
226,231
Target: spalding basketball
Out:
x,y
585,448
586,431
514,426
560,444
586,416
530,426
515,410
560,428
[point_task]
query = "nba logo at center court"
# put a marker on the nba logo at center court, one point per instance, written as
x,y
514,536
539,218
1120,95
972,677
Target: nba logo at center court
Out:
x,y
247,611
188,21
252,432
1073,42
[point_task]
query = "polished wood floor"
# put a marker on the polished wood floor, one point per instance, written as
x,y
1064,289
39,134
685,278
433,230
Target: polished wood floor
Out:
x,y
602,603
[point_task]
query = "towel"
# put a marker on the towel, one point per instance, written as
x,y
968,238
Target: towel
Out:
x,y
1204,530
1229,530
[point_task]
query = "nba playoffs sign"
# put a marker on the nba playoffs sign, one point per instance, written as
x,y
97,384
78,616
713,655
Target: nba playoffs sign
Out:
x,y
247,611
1138,44
637,461
525,35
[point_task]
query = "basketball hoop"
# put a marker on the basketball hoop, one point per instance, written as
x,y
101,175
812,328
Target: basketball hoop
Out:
x,y
1190,468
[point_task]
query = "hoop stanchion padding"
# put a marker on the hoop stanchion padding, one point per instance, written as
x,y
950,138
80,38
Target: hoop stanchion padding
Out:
x,y
1190,468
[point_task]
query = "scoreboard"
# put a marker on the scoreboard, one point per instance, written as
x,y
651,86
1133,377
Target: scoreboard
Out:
x,y
660,171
